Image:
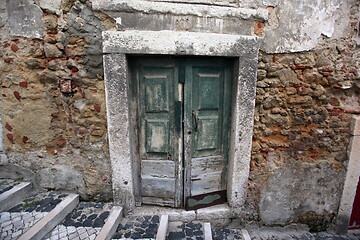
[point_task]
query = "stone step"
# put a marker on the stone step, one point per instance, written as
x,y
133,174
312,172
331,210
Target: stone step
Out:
x,y
13,194
163,228
19,219
111,224
53,218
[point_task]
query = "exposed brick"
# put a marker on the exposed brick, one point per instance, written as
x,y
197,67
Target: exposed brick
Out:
x,y
8,127
23,84
17,95
14,48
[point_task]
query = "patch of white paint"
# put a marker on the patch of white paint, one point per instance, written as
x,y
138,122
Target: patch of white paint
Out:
x,y
302,24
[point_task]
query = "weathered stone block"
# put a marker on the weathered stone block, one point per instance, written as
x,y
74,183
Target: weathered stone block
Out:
x,y
61,177
52,51
25,19
355,126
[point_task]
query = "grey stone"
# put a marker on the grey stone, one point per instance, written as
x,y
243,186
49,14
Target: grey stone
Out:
x,y
52,51
113,7
271,3
290,193
61,177
25,19
53,6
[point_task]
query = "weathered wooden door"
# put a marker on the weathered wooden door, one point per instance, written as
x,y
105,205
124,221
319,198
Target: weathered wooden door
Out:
x,y
183,117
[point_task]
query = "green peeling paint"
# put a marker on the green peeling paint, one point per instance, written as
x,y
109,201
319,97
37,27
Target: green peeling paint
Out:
x,y
205,200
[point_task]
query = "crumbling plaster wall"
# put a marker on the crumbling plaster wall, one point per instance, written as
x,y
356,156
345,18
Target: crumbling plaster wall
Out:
x,y
53,108
52,94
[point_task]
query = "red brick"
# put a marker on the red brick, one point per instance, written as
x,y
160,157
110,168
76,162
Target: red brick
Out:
x,y
14,48
23,84
25,139
97,107
10,137
17,95
8,127
8,60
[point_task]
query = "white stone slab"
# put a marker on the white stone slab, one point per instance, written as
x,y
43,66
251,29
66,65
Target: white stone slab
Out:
x,y
53,218
111,224
13,196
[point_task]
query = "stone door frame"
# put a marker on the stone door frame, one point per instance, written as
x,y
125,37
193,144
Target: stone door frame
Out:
x,y
352,178
118,44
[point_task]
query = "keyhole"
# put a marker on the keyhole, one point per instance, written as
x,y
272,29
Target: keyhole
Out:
x,y
189,132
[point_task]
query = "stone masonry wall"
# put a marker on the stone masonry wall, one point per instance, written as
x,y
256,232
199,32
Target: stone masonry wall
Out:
x,y
52,96
303,110
52,110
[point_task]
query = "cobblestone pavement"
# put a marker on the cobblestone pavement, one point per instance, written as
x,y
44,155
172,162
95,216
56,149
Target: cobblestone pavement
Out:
x,y
39,202
73,233
23,216
7,184
138,227
14,224
188,231
221,234
83,223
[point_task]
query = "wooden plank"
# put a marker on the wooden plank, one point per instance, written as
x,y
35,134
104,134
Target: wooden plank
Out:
x,y
163,226
206,183
207,165
158,201
158,168
158,187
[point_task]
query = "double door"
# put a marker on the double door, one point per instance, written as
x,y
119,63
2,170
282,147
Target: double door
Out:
x,y
181,111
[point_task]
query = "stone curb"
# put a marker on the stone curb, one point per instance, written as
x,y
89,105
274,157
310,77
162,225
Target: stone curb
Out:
x,y
111,224
15,195
162,230
53,218
207,232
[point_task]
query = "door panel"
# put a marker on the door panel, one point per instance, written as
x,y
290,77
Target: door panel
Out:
x,y
208,104
183,109
158,139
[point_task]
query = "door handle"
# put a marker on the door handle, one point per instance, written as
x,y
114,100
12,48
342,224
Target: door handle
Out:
x,y
195,120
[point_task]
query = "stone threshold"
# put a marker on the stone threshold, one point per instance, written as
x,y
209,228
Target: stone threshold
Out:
x,y
221,211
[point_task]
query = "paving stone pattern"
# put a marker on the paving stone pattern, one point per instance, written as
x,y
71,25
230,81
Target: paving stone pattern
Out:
x,y
84,222
39,202
7,184
73,233
14,224
138,227
188,231
88,214
222,234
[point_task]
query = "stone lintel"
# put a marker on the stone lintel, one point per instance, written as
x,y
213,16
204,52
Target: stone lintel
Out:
x,y
189,23
179,43
112,6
